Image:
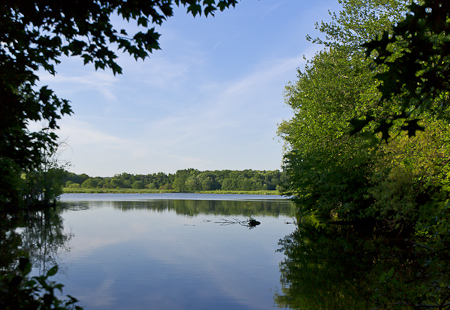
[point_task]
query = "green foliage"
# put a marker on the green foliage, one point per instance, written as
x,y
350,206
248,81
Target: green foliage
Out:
x,y
411,175
359,21
88,183
328,169
18,291
10,183
24,188
43,186
76,178
415,58
138,185
179,184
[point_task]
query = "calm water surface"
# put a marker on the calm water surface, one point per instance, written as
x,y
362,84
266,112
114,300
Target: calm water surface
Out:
x,y
172,251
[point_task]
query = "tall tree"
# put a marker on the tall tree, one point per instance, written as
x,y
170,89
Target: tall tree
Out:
x,y
328,169
336,175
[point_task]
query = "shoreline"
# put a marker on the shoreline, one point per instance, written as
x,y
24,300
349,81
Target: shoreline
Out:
x,y
67,190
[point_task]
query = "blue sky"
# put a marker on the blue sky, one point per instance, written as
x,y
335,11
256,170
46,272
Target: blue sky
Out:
x,y
211,99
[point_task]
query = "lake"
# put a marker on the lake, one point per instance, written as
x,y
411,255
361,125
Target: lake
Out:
x,y
168,251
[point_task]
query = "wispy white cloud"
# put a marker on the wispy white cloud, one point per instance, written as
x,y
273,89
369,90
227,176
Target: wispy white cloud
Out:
x,y
158,73
79,133
272,8
98,81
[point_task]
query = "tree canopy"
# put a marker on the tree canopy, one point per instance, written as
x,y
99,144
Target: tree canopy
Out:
x,y
414,58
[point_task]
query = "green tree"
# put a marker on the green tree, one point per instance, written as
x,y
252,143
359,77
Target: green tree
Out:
x,y
44,183
115,183
126,184
192,184
138,185
166,186
179,185
11,183
152,186
415,68
410,179
89,183
208,182
76,178
227,184
329,170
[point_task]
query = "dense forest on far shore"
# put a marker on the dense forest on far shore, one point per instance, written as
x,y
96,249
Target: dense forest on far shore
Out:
x,y
188,180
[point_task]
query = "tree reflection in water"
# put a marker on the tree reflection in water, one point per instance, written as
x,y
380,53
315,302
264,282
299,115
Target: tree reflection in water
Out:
x,y
338,267
43,237
32,238
36,234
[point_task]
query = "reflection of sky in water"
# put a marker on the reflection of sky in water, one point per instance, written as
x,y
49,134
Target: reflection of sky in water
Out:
x,y
146,259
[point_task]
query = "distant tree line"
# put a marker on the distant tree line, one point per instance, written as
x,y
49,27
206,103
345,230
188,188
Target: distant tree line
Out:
x,y
188,180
